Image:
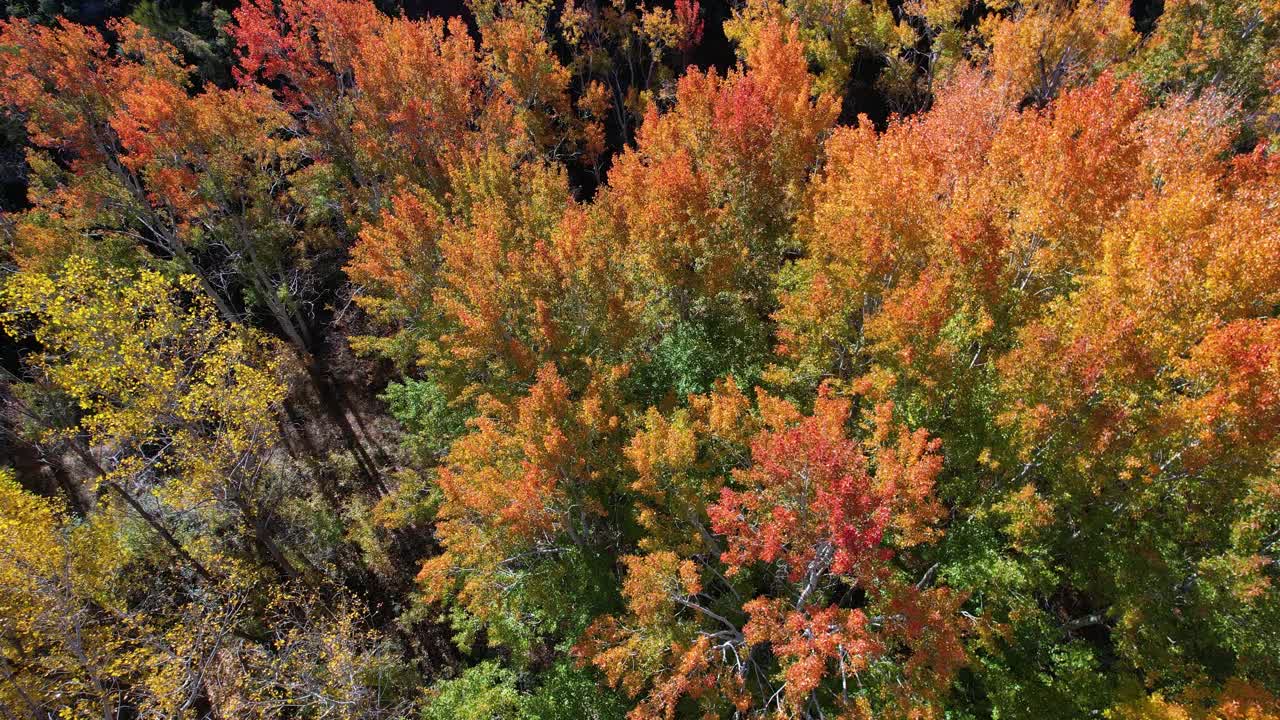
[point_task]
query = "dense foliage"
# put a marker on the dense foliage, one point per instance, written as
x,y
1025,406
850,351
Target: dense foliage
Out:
x,y
921,360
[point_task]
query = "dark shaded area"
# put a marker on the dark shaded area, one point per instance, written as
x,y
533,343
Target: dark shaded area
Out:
x,y
862,96
13,166
90,12
419,9
1145,13
715,50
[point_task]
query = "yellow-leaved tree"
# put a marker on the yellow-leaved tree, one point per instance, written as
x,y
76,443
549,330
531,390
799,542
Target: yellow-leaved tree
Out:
x,y
172,408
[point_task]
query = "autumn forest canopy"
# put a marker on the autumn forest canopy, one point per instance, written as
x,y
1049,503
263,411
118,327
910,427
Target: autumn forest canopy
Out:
x,y
604,359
